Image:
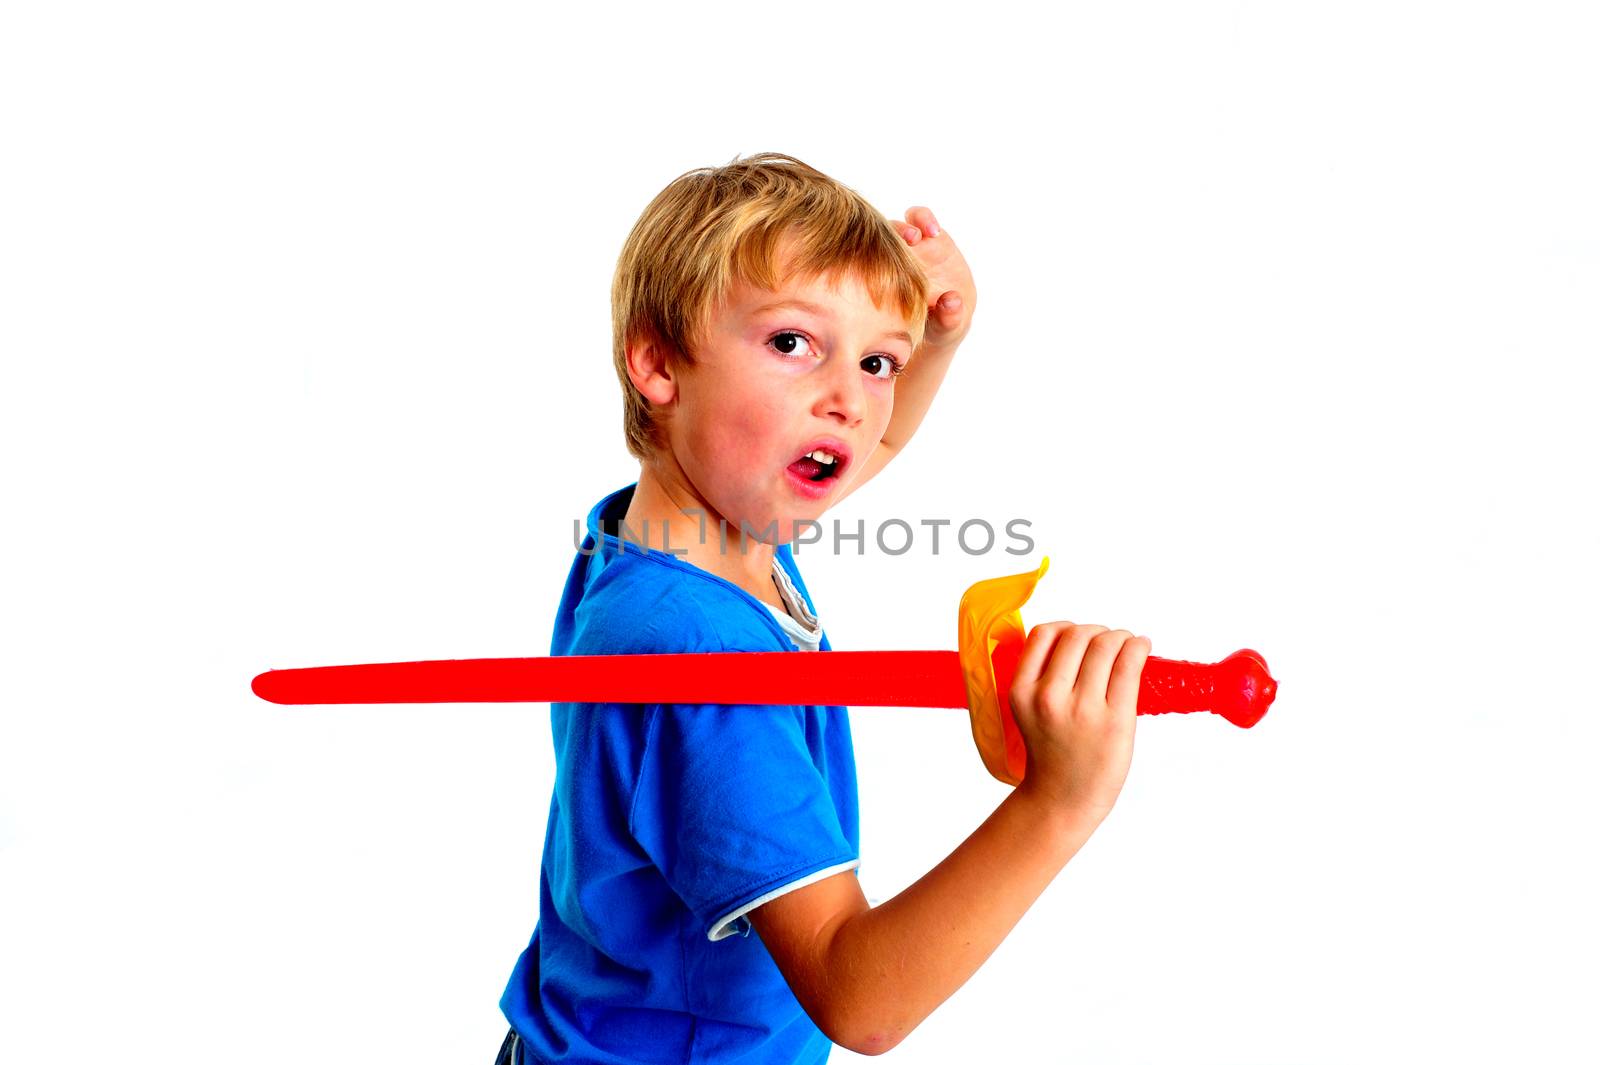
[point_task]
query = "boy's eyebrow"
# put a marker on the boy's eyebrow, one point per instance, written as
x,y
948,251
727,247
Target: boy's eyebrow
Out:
x,y
821,312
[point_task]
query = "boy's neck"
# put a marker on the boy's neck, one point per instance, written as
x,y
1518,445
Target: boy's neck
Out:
x,y
658,506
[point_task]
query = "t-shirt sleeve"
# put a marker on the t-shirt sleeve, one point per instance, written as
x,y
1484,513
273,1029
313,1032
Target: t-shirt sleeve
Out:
x,y
733,810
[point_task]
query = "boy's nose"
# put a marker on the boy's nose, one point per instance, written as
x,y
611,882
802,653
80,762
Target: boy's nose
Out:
x,y
844,393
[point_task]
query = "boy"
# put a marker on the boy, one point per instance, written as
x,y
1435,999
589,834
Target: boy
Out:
x,y
762,316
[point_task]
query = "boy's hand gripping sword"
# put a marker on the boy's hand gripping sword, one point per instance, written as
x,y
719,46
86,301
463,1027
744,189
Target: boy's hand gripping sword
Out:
x,y
978,677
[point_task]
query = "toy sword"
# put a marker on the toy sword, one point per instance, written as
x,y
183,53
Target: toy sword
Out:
x,y
976,677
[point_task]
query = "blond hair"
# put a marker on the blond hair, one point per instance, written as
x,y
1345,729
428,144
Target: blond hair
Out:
x,y
716,226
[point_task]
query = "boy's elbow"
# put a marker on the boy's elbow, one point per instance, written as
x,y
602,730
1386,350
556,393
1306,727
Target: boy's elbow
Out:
x,y
843,1017
817,942
861,1032
871,1044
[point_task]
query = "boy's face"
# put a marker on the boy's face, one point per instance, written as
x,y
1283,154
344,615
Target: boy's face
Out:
x,y
778,375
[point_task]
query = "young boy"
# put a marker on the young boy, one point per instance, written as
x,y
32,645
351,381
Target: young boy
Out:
x,y
776,343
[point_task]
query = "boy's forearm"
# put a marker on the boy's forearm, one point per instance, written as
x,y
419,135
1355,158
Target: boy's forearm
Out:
x,y
891,966
914,392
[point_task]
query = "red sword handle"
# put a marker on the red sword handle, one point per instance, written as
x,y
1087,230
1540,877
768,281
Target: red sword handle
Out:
x,y
1238,688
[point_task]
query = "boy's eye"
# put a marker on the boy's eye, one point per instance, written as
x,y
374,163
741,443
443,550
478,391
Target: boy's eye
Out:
x,y
787,343
884,362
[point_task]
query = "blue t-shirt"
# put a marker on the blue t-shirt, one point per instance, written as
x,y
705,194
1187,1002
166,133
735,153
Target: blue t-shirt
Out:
x,y
668,823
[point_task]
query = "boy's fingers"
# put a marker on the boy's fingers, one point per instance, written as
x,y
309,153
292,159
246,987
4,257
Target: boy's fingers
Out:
x,y
1036,649
945,316
1125,674
1094,675
1063,675
911,233
923,217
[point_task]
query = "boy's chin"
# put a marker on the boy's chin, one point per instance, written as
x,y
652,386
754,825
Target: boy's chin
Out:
x,y
786,528
805,529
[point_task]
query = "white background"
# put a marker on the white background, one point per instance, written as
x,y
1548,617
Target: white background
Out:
x,y
1286,340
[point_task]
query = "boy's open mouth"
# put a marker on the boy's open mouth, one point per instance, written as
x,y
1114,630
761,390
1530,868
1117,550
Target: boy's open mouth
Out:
x,y
819,464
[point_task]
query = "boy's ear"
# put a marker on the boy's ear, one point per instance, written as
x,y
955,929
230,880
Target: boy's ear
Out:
x,y
649,372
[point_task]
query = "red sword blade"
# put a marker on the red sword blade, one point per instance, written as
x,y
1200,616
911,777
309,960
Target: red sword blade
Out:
x,y
838,678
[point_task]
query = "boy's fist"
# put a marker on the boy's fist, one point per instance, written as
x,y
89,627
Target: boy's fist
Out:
x,y
1074,696
951,293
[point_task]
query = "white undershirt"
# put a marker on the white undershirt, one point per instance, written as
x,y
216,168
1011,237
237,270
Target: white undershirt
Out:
x,y
800,623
